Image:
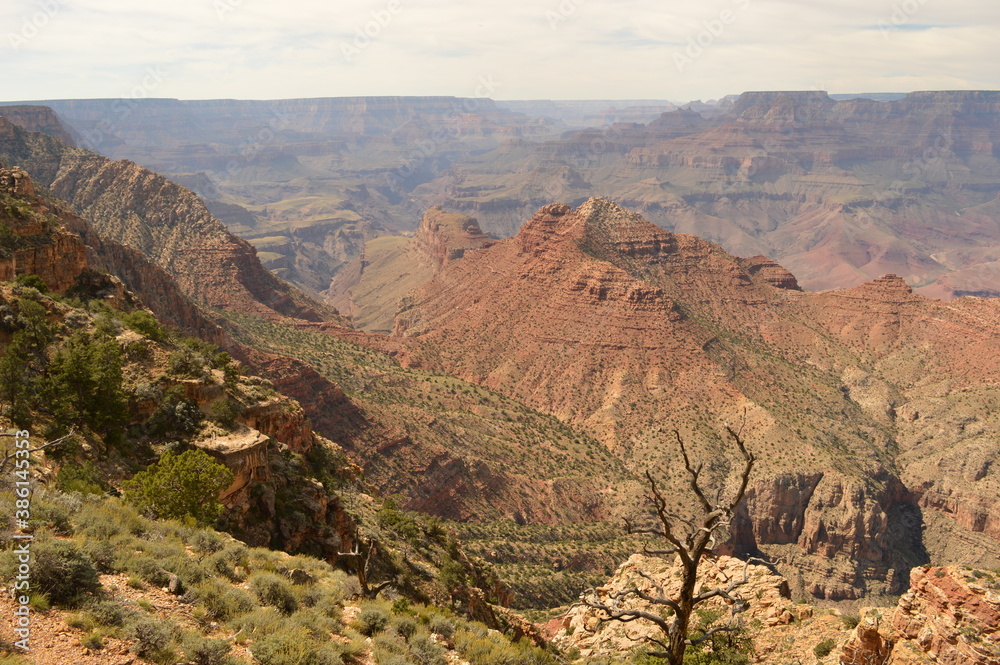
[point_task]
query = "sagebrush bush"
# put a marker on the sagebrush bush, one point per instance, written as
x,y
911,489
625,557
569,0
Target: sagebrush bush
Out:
x,y
294,647
206,542
203,651
219,564
404,626
426,651
110,613
222,601
480,647
371,621
441,625
823,649
319,625
152,637
62,571
391,650
275,591
102,520
93,640
260,622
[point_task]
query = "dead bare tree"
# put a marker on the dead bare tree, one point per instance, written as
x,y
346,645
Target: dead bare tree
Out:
x,y
688,540
61,440
363,558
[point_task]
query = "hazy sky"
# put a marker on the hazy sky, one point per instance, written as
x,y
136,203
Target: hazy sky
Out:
x,y
514,49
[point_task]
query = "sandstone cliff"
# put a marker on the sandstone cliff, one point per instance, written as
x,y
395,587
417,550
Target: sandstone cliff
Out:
x,y
949,616
370,287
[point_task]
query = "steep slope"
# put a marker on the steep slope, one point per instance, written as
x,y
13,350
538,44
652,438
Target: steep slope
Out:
x,y
608,322
39,119
369,288
164,221
104,390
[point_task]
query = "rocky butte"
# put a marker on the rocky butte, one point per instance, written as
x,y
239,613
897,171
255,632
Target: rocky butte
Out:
x,y
870,407
369,288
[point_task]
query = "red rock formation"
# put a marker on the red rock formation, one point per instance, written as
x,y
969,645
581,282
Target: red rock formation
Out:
x,y
370,287
867,645
771,273
445,237
611,323
38,119
951,615
37,246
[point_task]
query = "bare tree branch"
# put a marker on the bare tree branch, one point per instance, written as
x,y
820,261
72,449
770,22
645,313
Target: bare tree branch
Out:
x,y
689,545
50,444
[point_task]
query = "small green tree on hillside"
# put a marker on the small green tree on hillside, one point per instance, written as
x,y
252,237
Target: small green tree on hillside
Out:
x,y
15,390
85,382
180,486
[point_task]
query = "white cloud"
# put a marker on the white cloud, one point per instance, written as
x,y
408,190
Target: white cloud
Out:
x,y
561,49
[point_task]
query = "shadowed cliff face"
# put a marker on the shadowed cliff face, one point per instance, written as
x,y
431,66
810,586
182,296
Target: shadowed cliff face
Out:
x,y
610,323
39,119
167,223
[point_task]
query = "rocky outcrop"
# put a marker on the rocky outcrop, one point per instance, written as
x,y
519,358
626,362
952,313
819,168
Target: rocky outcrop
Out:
x,y
245,454
949,616
38,119
580,627
952,614
770,272
284,420
369,288
444,237
867,644
318,396
35,242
